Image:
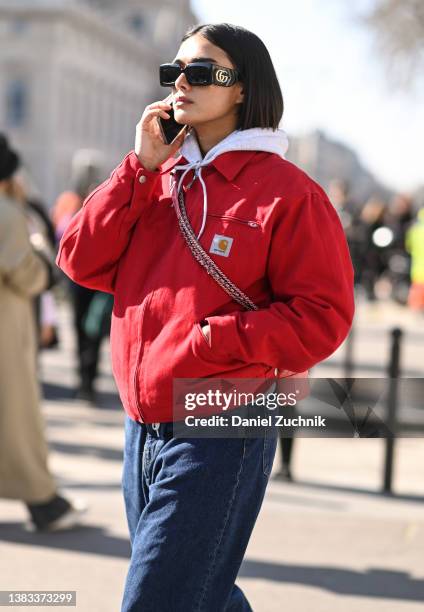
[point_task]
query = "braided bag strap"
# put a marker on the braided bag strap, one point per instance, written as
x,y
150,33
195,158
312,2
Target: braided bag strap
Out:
x,y
204,260
216,273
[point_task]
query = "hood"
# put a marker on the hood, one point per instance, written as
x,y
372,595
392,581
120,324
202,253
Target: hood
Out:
x,y
253,139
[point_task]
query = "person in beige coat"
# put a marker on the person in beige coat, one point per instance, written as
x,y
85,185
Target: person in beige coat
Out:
x,y
24,273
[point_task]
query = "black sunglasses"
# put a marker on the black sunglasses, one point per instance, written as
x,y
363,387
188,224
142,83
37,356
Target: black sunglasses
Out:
x,y
198,73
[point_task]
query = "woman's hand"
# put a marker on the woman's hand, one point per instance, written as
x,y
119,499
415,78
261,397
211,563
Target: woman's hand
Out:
x,y
206,332
149,146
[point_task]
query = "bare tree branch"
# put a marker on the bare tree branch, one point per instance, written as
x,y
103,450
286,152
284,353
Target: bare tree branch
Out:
x,y
399,29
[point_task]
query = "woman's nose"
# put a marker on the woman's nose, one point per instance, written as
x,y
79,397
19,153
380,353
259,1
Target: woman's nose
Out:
x,y
182,82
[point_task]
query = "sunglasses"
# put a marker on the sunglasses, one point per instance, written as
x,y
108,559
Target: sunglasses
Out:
x,y
198,73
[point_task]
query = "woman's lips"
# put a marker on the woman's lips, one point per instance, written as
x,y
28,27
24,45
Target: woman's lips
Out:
x,y
182,101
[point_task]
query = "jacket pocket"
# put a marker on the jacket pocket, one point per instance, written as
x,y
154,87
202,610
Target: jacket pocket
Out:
x,y
238,246
205,352
201,344
252,223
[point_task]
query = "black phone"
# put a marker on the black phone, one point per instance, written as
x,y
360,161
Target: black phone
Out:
x,y
169,127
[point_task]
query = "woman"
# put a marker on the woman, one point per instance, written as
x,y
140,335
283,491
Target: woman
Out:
x,y
192,503
24,273
86,304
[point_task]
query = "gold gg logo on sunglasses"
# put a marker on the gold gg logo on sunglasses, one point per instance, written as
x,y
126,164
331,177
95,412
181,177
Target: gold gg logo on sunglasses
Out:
x,y
222,76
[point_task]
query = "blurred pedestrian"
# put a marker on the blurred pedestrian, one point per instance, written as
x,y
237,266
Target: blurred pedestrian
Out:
x,y
284,473
42,231
91,309
339,193
399,217
371,257
297,385
414,242
192,502
24,273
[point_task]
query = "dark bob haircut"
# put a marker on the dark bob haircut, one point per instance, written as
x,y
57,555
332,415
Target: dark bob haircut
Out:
x,y
263,101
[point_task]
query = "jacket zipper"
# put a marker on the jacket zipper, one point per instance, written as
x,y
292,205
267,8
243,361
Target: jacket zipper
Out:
x,y
137,367
249,222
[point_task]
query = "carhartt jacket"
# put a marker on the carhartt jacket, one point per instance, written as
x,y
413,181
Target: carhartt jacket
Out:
x,y
269,227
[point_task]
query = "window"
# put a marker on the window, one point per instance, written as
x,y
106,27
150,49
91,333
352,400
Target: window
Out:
x,y
136,22
16,103
19,25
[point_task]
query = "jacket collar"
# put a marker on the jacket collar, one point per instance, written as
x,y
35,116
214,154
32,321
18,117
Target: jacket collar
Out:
x,y
241,143
228,164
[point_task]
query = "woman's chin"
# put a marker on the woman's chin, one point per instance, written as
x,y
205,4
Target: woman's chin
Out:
x,y
185,117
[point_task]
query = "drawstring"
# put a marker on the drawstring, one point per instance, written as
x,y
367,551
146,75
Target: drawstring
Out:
x,y
197,167
252,139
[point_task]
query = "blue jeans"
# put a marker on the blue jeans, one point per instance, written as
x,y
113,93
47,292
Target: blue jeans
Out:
x,y
191,506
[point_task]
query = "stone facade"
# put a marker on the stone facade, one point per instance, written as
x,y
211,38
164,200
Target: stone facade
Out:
x,y
77,77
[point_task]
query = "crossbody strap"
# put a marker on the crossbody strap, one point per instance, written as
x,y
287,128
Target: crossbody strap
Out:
x,y
203,258
214,271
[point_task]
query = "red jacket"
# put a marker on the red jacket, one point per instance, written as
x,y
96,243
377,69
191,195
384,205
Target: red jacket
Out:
x,y
288,254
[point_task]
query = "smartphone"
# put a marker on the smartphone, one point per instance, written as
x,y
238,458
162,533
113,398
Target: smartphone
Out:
x,y
169,127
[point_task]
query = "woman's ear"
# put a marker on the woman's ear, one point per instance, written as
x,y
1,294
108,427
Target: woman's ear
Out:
x,y
240,96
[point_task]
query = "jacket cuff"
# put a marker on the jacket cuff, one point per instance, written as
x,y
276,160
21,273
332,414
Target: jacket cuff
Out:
x,y
145,181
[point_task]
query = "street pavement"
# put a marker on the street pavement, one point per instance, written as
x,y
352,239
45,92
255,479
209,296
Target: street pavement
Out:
x,y
329,541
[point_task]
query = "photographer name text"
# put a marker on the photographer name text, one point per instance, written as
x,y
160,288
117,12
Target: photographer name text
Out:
x,y
272,420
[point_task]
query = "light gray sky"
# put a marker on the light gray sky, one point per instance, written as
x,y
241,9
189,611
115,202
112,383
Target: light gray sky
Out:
x,y
332,79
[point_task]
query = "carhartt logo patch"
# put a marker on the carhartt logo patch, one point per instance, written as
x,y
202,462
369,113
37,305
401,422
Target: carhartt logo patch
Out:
x,y
221,245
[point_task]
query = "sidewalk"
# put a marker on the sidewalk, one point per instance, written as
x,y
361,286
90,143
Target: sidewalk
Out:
x,y
329,542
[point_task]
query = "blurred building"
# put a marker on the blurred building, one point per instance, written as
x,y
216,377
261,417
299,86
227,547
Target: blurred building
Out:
x,y
78,74
325,159
160,24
